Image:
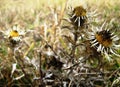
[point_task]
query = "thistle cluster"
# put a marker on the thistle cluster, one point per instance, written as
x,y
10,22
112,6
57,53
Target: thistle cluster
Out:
x,y
102,39
61,52
89,46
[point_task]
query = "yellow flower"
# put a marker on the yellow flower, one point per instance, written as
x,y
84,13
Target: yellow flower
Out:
x,y
14,35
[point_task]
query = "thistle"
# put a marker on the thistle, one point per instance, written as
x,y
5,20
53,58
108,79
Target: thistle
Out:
x,y
14,35
103,40
78,17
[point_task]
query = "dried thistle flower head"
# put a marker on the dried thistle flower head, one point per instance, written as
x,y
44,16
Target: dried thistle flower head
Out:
x,y
104,38
79,11
104,41
14,39
78,16
14,35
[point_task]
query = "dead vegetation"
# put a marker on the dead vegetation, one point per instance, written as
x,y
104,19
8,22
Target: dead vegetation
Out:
x,y
48,50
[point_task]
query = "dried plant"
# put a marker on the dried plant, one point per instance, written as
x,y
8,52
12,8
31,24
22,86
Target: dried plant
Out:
x,y
56,46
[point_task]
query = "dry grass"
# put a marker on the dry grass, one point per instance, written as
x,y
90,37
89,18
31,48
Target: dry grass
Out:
x,y
47,49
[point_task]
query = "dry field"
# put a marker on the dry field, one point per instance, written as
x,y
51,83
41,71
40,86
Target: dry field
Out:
x,y
59,43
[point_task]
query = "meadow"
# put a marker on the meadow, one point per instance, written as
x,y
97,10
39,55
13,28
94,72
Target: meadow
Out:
x,y
59,43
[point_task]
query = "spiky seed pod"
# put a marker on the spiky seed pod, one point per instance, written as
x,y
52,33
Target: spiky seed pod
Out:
x,y
103,40
78,16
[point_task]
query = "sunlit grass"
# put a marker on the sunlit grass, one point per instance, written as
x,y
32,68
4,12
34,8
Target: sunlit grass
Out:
x,y
37,4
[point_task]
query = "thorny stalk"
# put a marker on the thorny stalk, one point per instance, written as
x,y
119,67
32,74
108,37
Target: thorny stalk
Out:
x,y
19,60
40,70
